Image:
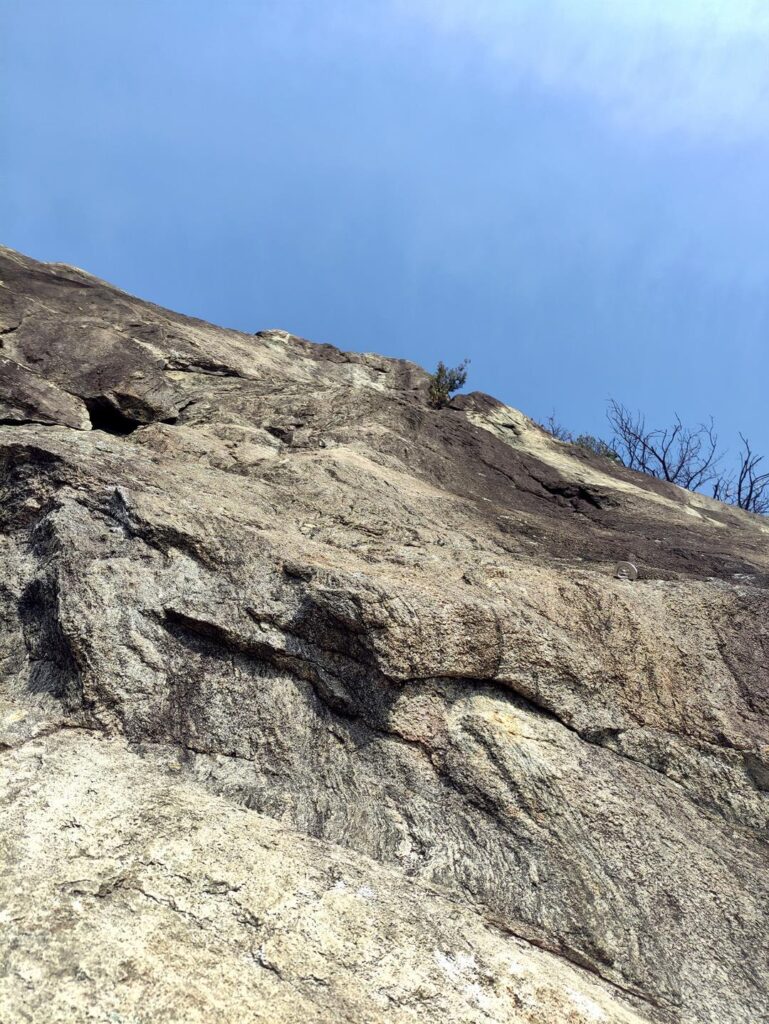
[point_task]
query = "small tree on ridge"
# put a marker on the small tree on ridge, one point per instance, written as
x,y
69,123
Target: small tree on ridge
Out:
x,y
445,381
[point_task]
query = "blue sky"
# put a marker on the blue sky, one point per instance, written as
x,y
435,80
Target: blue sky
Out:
x,y
572,193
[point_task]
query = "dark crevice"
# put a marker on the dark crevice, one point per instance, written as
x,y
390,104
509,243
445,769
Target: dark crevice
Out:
x,y
12,421
105,416
208,367
581,498
5,331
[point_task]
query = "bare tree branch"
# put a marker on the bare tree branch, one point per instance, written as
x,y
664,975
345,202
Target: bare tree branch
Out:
x,y
556,429
749,489
687,456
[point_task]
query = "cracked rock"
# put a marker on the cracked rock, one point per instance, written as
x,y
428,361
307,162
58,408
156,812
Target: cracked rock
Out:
x,y
318,704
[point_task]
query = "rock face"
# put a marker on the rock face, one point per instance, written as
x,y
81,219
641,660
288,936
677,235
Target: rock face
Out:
x,y
322,705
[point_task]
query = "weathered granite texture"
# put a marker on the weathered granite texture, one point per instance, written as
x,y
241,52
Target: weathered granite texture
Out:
x,y
322,705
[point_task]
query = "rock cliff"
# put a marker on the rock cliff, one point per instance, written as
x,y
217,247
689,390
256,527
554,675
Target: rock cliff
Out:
x,y
319,704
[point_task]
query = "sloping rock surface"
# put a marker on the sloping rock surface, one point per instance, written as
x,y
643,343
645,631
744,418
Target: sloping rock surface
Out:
x,y
319,704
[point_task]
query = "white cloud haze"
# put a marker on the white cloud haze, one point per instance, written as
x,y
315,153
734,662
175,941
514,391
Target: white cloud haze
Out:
x,y
699,67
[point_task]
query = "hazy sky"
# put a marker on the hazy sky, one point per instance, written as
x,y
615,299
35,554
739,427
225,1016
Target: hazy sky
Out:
x,y
573,193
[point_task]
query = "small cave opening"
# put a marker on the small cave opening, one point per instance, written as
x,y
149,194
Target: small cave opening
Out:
x,y
105,416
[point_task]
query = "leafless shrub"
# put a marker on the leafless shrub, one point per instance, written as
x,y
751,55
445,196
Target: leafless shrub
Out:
x,y
747,488
687,456
556,429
